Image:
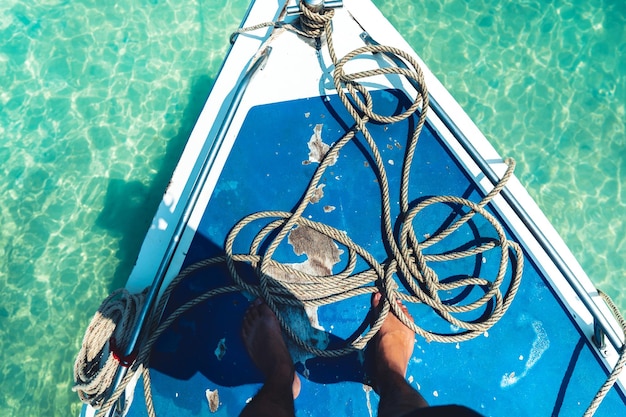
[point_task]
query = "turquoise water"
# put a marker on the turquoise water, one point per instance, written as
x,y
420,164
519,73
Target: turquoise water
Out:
x,y
97,102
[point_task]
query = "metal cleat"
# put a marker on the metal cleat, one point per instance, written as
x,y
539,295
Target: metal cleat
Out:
x,y
315,5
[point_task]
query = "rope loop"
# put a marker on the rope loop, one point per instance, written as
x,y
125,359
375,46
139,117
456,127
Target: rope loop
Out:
x,y
98,358
285,285
426,286
349,82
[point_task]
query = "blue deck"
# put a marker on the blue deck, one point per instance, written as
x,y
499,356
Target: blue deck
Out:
x,y
534,362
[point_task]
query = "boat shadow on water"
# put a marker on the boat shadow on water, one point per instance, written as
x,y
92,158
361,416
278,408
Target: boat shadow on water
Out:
x,y
130,205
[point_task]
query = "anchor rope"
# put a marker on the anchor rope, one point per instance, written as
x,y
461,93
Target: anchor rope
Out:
x,y
96,365
407,263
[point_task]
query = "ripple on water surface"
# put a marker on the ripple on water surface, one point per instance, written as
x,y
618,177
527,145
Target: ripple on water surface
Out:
x,y
543,82
96,104
97,101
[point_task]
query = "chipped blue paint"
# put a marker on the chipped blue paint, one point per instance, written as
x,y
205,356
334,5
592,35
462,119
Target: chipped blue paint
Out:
x,y
528,357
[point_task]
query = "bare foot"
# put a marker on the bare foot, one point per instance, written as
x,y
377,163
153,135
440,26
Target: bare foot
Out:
x,y
392,351
264,342
393,344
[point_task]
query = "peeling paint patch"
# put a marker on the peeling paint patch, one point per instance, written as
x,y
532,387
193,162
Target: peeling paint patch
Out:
x,y
318,194
213,398
317,148
540,345
368,401
322,254
162,224
328,209
220,350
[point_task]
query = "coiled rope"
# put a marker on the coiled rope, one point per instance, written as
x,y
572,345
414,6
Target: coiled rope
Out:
x,y
97,363
406,264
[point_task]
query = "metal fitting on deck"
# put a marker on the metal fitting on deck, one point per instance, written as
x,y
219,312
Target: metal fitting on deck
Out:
x,y
315,5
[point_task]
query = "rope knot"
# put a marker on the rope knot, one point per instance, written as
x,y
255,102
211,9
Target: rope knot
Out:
x,y
363,108
314,22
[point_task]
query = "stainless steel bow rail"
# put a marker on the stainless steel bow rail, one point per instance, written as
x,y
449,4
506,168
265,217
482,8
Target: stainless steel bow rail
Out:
x,y
129,352
602,327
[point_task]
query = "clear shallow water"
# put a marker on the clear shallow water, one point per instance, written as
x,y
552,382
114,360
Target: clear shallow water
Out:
x,y
546,83
97,102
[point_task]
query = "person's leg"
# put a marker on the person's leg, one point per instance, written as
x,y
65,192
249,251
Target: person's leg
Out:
x,y
393,348
264,342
